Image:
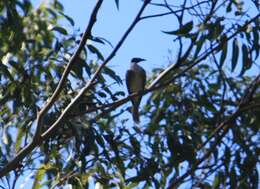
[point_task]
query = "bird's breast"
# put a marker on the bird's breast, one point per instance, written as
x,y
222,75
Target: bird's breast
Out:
x,y
136,81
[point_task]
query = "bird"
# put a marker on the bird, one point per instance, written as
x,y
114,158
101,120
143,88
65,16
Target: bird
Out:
x,y
135,82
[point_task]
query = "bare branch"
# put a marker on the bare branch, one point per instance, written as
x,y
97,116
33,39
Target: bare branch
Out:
x,y
155,15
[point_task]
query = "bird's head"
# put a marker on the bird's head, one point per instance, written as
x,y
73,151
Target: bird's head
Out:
x,y
137,60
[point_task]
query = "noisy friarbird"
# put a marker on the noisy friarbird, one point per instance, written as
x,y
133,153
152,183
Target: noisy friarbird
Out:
x,y
135,82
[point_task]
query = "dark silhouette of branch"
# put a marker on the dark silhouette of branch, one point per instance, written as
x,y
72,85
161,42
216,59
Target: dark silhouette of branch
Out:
x,y
155,15
74,58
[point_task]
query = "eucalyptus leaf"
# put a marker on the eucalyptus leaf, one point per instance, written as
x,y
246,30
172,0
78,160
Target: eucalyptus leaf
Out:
x,y
182,31
235,54
60,29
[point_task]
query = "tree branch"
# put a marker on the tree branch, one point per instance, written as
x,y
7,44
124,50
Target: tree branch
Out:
x,y
74,58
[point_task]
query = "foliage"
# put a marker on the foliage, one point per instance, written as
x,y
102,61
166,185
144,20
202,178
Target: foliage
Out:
x,y
200,122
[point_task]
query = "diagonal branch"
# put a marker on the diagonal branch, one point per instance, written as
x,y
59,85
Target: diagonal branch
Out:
x,y
74,58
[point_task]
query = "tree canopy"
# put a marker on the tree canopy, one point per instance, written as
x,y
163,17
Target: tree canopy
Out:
x,y
64,124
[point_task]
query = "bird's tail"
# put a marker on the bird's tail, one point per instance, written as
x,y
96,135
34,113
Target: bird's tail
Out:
x,y
135,113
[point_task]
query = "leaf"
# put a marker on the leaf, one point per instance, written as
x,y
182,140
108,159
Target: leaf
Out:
x,y
39,176
5,137
235,54
113,75
59,29
223,54
100,140
4,70
256,44
199,45
19,139
216,182
119,93
247,63
78,68
229,7
57,46
182,31
97,39
96,51
215,30
131,185
117,4
17,66
71,21
52,12
102,94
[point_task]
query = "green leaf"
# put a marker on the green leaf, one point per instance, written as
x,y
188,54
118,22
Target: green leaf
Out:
x,y
102,94
39,176
119,93
199,45
52,12
59,29
235,54
101,40
113,75
247,63
182,31
131,185
96,51
71,21
215,30
4,70
216,182
19,139
117,4
256,44
229,7
223,54
78,68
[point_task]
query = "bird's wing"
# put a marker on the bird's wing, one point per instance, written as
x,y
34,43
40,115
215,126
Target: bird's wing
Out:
x,y
144,77
129,75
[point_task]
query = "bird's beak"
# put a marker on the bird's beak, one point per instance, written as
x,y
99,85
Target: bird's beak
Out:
x,y
141,60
